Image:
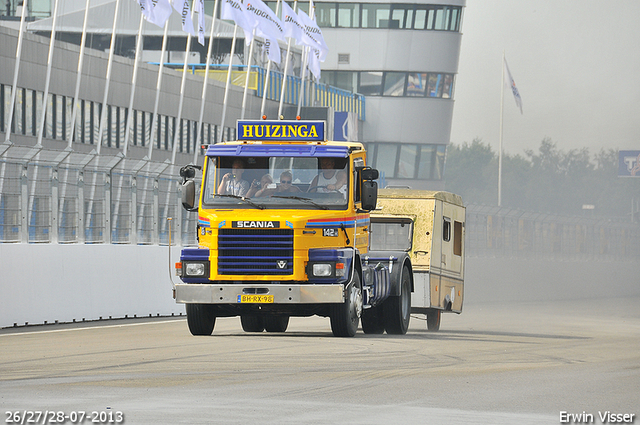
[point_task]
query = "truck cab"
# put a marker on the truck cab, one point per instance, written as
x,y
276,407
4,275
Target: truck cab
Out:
x,y
283,226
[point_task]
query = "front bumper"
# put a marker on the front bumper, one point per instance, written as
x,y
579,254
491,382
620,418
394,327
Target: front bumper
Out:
x,y
200,293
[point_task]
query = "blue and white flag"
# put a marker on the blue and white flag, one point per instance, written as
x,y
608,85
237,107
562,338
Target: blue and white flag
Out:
x,y
508,80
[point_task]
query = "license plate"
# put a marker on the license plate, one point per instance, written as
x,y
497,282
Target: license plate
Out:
x,y
260,299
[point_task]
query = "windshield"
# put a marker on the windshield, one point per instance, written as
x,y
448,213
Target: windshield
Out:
x,y
276,182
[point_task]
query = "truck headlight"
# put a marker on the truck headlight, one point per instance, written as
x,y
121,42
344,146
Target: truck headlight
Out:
x,y
194,269
322,270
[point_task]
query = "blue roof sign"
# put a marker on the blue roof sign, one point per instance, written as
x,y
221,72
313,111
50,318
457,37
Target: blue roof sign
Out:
x,y
292,131
270,150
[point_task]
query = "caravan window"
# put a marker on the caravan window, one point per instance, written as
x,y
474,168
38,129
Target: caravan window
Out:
x,y
446,229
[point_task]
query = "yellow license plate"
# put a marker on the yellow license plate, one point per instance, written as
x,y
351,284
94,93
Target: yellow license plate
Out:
x,y
261,299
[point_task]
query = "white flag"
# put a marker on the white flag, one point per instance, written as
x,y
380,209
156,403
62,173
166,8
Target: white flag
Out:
x,y
182,7
199,7
159,12
312,36
268,26
314,63
146,7
508,80
291,24
235,11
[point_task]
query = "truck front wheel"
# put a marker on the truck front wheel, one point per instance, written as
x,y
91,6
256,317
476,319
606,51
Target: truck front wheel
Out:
x,y
277,323
397,309
201,318
252,323
346,316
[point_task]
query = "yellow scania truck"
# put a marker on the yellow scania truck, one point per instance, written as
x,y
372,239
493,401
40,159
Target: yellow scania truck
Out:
x,y
283,230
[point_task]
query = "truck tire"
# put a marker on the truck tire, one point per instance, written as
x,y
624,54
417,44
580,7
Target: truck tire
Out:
x,y
433,319
397,309
373,320
201,318
277,323
252,323
345,317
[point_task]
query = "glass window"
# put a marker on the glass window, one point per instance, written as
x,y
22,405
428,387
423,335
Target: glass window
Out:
x,y
447,87
19,111
394,83
407,163
348,15
375,15
439,162
401,16
370,83
455,19
421,18
446,229
440,21
3,107
96,110
434,85
416,84
277,182
431,14
386,159
391,235
326,15
29,116
347,80
425,164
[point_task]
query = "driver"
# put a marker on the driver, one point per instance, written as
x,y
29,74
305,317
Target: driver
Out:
x,y
329,179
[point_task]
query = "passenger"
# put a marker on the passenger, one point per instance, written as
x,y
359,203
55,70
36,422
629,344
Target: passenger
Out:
x,y
232,183
285,186
329,179
286,183
257,189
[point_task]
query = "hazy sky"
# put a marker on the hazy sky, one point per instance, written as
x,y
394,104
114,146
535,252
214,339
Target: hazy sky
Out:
x,y
576,64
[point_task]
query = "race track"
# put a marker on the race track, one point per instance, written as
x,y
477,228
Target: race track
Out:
x,y
521,363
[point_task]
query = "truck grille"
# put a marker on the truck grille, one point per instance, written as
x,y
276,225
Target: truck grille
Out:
x,y
255,251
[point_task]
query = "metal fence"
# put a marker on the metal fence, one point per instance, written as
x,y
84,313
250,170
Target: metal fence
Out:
x,y
69,197
501,232
51,196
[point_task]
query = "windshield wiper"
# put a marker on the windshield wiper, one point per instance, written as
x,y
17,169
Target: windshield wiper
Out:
x,y
323,207
242,198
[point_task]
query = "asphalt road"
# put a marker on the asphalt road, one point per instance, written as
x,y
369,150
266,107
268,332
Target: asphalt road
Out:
x,y
522,363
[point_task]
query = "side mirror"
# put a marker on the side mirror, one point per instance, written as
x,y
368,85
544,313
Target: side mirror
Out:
x,y
369,174
369,193
188,195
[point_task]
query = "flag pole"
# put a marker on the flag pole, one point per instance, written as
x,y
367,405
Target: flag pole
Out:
x,y
286,65
226,87
246,80
112,47
204,85
74,112
154,118
16,71
501,131
134,79
266,77
45,95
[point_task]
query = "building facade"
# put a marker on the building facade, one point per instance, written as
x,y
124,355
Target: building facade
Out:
x,y
404,58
